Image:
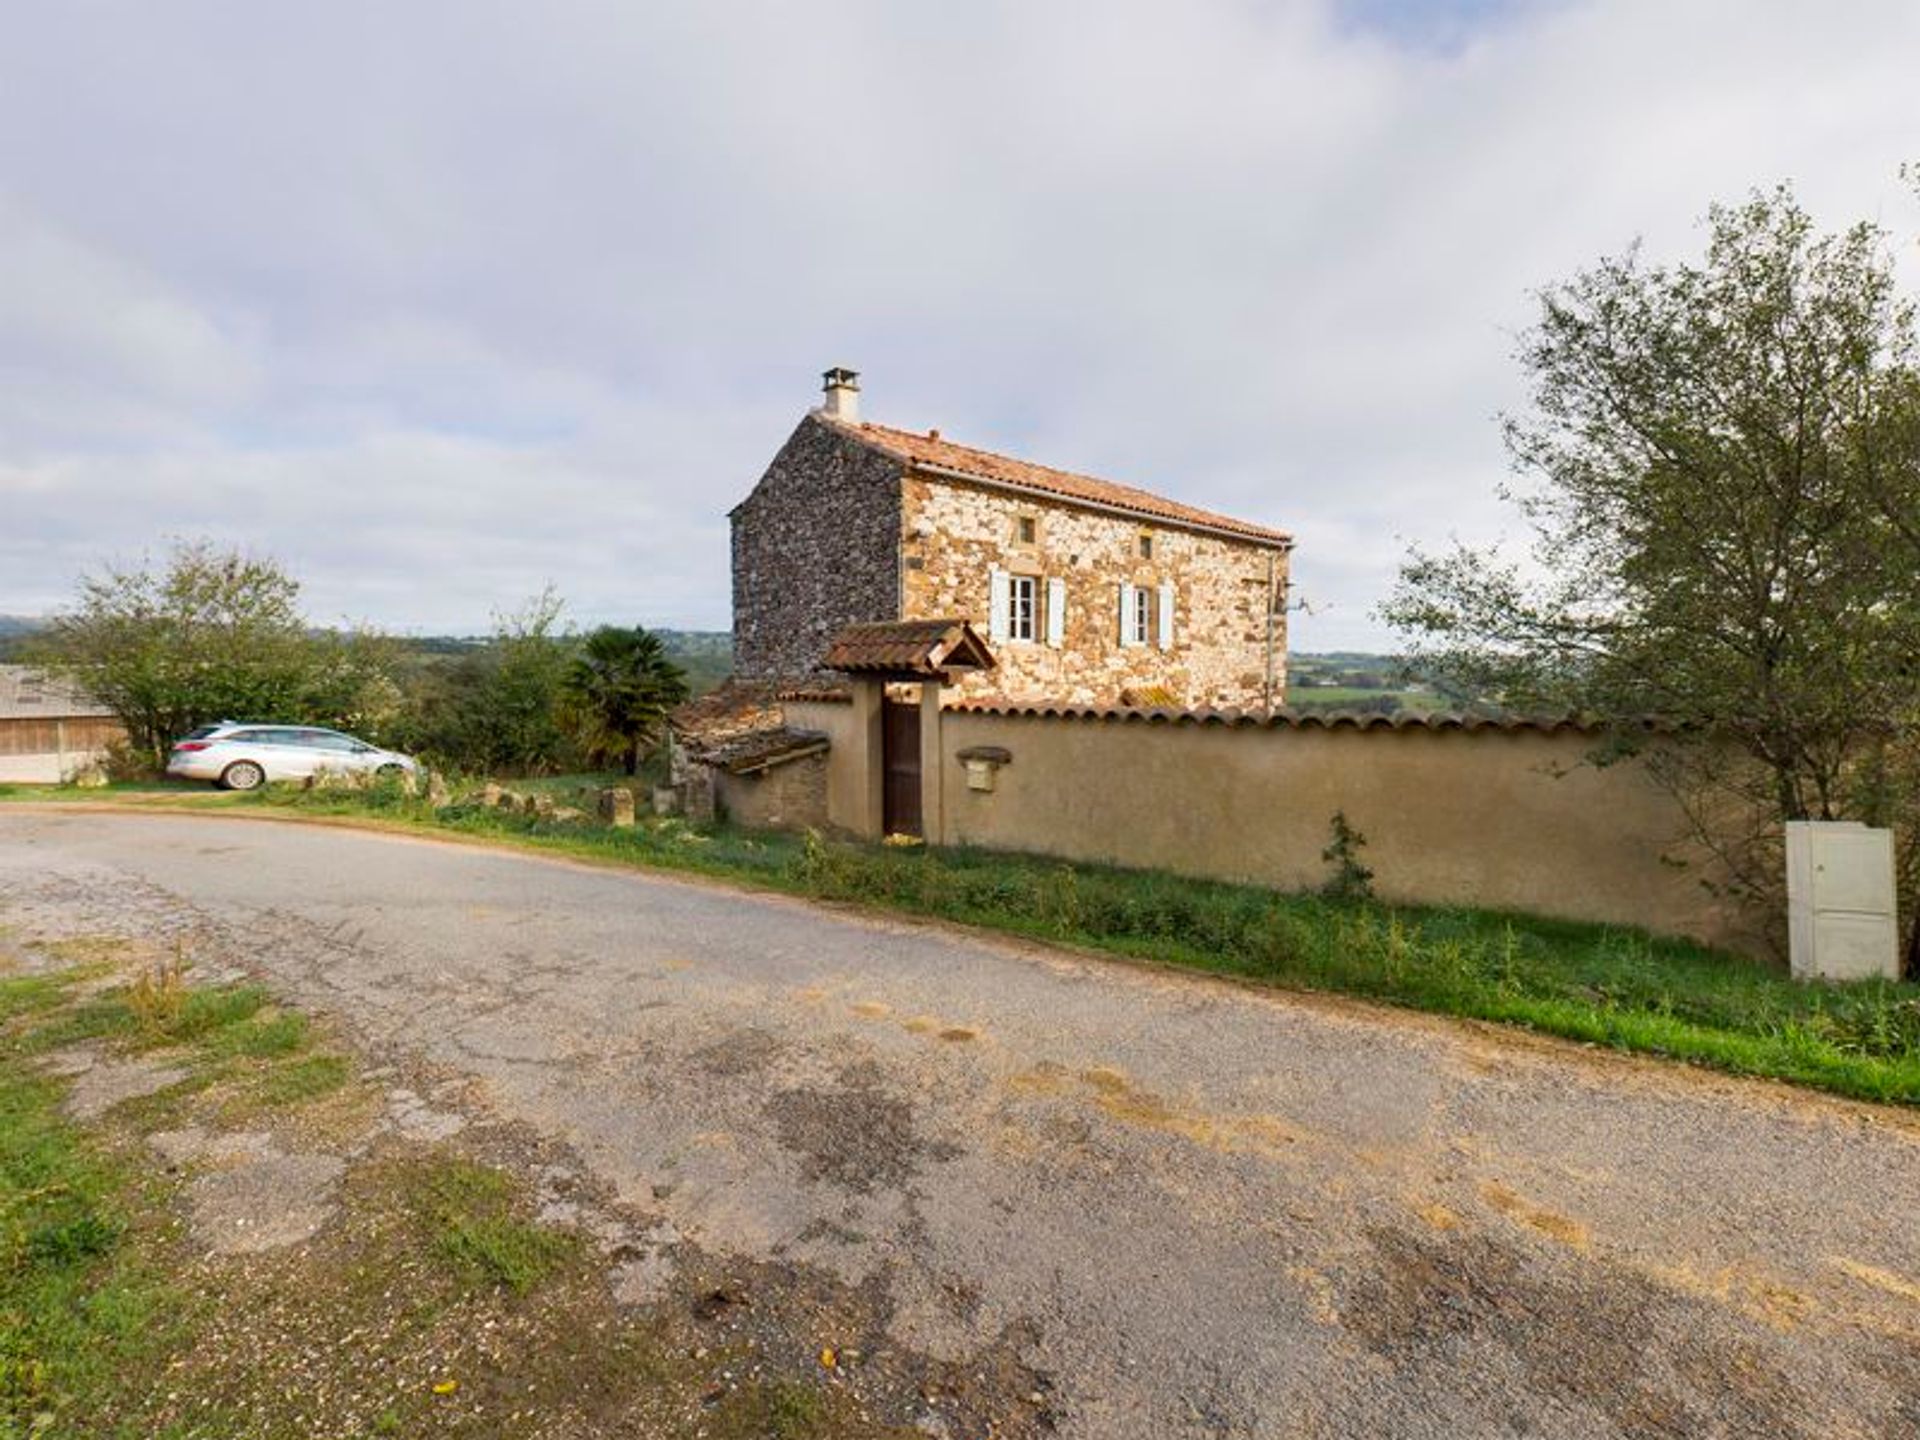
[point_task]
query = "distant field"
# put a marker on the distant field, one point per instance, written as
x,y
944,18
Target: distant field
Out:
x,y
1324,695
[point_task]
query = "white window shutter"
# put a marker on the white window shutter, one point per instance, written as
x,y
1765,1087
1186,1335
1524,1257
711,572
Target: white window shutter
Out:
x,y
1166,614
999,604
1126,612
1056,612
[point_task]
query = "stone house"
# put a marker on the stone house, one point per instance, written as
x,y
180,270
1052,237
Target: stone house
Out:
x,y
1090,593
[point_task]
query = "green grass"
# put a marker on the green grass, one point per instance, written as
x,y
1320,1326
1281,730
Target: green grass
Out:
x,y
1603,985
568,789
471,1217
307,1078
78,1305
87,1020
281,1033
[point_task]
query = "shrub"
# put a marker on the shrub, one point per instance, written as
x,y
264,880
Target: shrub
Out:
x,y
1350,879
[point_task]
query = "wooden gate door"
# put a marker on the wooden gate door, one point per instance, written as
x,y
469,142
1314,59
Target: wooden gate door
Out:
x,y
900,759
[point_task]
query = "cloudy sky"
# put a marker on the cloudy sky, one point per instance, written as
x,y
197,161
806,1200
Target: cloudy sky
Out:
x,y
440,301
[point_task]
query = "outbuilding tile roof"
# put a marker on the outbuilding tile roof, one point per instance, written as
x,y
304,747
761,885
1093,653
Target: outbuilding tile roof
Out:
x,y
932,451
29,693
764,749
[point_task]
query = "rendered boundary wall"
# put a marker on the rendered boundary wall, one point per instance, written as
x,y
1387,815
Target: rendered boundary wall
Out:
x,y
1504,817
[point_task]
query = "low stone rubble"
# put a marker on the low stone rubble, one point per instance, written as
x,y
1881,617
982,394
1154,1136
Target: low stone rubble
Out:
x,y
616,807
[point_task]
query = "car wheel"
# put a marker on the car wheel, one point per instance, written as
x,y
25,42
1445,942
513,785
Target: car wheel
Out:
x,y
243,775
390,770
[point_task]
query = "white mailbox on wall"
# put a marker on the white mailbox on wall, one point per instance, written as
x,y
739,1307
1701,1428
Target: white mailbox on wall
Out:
x,y
1841,914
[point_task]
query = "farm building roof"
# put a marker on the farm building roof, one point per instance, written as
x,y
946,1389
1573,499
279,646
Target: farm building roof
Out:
x,y
29,693
759,750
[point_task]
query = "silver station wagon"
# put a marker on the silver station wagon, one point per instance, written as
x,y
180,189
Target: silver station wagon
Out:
x,y
245,757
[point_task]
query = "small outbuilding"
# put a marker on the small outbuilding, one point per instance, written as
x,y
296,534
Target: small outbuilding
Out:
x,y
49,731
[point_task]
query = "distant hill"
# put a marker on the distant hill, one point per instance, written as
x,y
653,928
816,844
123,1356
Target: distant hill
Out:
x,y
16,632
706,655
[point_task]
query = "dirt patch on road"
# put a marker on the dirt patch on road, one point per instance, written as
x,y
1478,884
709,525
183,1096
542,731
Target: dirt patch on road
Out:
x,y
853,1133
744,1052
1577,1335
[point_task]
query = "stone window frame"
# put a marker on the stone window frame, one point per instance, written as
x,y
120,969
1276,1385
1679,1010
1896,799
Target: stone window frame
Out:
x,y
1143,545
1026,530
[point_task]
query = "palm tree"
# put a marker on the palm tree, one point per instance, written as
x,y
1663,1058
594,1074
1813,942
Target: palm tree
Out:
x,y
619,691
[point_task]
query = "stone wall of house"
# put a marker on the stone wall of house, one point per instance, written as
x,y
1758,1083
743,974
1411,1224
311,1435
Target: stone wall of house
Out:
x,y
815,548
953,535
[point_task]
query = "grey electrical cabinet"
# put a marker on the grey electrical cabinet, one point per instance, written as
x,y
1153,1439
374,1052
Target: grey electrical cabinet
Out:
x,y
1841,915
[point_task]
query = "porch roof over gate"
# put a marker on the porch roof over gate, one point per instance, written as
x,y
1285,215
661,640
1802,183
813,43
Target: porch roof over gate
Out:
x,y
908,649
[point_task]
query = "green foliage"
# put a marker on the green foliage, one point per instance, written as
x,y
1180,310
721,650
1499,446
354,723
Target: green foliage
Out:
x,y
496,709
1723,461
618,692
216,634
1350,879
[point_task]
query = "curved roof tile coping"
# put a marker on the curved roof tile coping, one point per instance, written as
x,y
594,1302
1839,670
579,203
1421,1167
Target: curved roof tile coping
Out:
x,y
1285,719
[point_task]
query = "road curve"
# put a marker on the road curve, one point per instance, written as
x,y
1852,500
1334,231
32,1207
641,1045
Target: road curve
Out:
x,y
1204,1210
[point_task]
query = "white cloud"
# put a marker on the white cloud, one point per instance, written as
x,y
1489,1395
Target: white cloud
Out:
x,y
441,301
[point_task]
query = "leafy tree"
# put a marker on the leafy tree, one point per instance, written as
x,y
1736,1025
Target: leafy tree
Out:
x,y
1724,468
619,691
497,708
217,634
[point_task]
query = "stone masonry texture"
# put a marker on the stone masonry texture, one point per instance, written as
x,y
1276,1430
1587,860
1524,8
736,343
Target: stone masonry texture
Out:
x,y
957,533
815,548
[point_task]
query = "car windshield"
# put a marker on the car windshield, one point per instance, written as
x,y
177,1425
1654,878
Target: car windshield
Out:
x,y
201,733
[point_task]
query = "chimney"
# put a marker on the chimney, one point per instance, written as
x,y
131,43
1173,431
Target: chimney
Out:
x,y
843,395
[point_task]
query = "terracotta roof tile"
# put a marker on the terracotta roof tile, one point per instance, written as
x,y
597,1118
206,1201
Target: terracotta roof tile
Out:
x,y
734,708
931,450
764,749
1285,719
907,647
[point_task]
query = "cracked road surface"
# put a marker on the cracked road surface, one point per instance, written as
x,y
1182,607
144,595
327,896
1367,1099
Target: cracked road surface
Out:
x,y
1202,1210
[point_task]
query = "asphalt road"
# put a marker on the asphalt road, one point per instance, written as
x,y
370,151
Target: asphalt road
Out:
x,y
1200,1209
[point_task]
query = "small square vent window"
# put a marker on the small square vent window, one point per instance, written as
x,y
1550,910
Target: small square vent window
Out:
x,y
1146,547
1027,529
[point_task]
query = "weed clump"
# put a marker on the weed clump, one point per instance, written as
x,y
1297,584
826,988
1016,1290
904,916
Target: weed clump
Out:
x,y
158,996
1350,879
